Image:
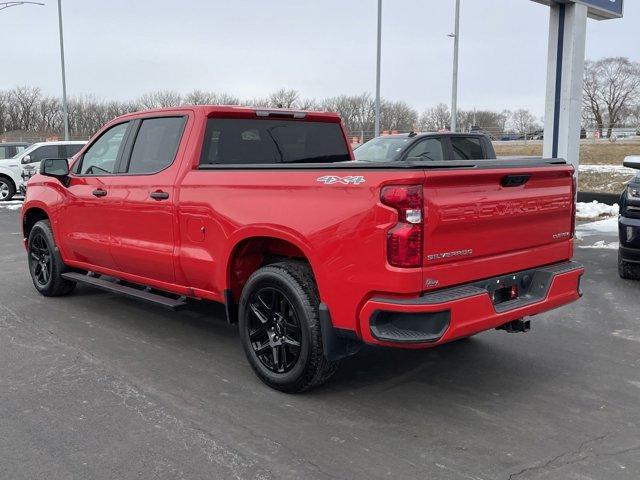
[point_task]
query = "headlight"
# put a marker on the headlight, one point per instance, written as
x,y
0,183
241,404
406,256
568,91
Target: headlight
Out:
x,y
27,173
633,193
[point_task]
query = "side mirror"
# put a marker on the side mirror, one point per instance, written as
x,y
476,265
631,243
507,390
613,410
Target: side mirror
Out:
x,y
632,161
55,167
26,159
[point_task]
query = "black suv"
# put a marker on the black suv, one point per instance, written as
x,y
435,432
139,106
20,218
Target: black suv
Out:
x,y
629,225
426,147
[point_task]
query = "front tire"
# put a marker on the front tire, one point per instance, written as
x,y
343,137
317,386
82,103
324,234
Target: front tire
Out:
x,y
280,327
7,189
627,270
45,264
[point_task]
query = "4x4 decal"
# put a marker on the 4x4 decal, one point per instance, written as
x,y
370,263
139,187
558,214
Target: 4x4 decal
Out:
x,y
350,180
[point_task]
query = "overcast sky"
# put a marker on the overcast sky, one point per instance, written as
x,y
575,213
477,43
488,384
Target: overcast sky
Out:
x,y
122,48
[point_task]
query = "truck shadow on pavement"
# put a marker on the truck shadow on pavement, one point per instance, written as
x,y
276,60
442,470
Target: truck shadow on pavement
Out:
x,y
483,367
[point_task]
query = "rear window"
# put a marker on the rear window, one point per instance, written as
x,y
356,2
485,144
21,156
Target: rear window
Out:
x,y
247,141
467,148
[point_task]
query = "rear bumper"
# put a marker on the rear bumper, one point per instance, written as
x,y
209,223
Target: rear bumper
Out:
x,y
458,312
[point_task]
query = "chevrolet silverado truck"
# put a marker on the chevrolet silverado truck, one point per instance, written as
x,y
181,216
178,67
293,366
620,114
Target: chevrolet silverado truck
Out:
x,y
313,254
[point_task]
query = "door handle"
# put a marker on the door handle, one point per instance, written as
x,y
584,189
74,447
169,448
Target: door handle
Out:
x,y
99,193
159,195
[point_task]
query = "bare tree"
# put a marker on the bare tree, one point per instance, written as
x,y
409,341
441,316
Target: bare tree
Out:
x,y
200,97
284,98
256,102
523,121
592,105
161,99
488,121
631,116
4,110
610,85
308,104
398,116
23,107
436,118
50,114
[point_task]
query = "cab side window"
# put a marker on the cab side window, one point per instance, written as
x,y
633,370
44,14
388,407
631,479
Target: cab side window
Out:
x,y
156,144
429,150
467,148
46,151
101,157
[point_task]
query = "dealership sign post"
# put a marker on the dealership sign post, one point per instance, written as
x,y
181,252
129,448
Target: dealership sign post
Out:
x,y
565,71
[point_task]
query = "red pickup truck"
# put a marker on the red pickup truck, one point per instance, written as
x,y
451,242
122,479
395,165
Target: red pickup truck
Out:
x,y
312,253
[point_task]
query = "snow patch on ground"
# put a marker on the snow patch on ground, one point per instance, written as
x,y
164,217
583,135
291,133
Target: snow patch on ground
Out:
x,y
608,226
607,169
11,205
602,245
595,210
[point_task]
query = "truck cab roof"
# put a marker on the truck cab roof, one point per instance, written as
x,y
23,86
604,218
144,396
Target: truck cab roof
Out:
x,y
238,111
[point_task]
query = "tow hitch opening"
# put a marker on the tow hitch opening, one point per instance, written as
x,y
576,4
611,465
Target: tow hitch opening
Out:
x,y
516,326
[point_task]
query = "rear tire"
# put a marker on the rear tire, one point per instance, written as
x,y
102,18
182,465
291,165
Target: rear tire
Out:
x,y
627,270
45,264
280,327
7,189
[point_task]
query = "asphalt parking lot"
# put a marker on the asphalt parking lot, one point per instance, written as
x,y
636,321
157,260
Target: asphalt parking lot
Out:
x,y
102,387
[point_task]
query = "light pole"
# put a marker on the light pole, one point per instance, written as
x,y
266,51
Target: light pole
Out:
x,y
5,5
454,89
65,111
377,121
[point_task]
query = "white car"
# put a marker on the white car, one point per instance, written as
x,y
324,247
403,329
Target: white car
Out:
x,y
11,170
10,178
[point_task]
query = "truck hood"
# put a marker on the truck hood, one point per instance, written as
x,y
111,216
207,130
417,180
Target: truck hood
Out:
x,y
11,164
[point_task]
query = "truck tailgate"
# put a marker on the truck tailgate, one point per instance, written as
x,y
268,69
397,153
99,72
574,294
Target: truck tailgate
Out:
x,y
509,218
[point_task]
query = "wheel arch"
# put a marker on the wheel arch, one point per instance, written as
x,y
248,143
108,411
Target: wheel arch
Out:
x,y
7,176
30,217
253,251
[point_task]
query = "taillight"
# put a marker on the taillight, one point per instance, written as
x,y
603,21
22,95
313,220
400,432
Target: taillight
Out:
x,y
404,240
574,187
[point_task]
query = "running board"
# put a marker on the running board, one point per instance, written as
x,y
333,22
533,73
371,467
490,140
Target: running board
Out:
x,y
112,286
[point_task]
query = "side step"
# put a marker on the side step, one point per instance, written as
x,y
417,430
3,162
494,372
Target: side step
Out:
x,y
112,286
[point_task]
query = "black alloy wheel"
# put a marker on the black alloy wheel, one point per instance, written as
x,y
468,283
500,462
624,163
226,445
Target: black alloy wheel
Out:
x,y
45,263
40,260
274,330
279,324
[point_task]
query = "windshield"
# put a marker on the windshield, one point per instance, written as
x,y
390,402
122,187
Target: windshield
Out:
x,y
381,149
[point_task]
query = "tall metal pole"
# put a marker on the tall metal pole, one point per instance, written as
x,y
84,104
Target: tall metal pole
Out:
x,y
65,111
454,89
377,127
